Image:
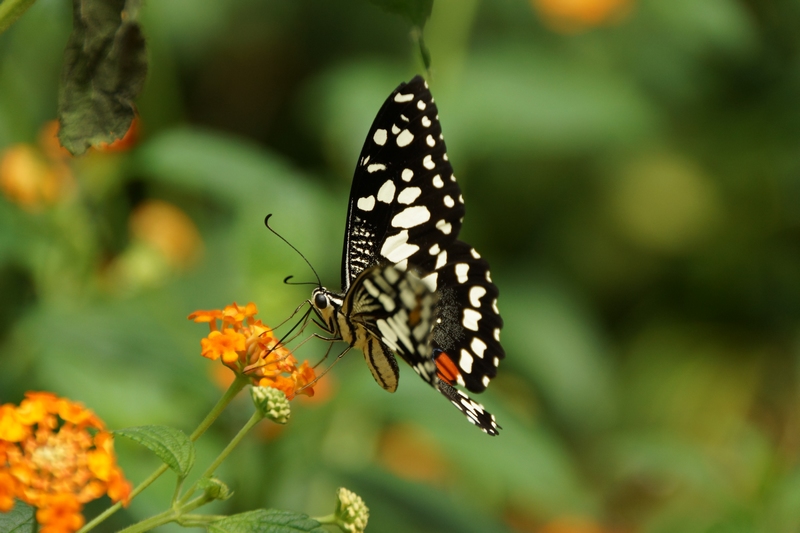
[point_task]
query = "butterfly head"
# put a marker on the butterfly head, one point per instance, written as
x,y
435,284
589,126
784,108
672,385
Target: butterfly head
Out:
x,y
325,304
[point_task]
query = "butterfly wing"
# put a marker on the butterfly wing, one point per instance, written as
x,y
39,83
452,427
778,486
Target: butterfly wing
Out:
x,y
394,310
405,205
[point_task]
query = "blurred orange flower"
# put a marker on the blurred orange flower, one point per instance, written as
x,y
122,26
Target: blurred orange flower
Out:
x,y
169,230
246,345
30,179
56,455
35,176
571,16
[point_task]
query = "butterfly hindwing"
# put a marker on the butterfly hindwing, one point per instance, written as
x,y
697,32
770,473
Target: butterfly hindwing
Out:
x,y
466,335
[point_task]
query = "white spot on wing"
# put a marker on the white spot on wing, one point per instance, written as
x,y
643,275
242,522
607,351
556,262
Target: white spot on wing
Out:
x,y
427,162
448,201
404,118
408,195
445,155
429,140
465,361
421,105
475,294
411,217
380,137
478,347
485,381
405,138
462,272
399,97
386,192
497,335
426,122
430,281
434,249
407,174
387,302
475,253
470,319
395,129
494,306
441,260
402,265
444,227
437,181
396,248
366,204
375,167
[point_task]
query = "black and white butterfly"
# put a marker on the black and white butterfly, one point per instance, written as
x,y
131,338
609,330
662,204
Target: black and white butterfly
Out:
x,y
409,287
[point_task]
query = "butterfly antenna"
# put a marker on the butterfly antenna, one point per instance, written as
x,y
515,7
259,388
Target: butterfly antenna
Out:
x,y
266,223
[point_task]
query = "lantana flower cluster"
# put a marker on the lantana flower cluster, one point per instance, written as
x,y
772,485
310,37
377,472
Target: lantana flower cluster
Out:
x,y
247,345
56,455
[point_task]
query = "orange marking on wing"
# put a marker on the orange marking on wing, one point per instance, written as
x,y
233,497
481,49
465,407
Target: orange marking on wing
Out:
x,y
448,371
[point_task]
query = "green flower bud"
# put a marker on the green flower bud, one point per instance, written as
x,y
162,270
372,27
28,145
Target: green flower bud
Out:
x,y
351,511
272,403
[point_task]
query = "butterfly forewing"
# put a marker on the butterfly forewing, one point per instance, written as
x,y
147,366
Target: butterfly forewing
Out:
x,y
405,205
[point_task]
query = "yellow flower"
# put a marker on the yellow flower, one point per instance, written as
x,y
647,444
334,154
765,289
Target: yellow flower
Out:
x,y
248,346
56,455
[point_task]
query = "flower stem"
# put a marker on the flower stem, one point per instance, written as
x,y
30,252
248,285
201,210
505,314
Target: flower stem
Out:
x,y
255,419
329,519
237,385
11,10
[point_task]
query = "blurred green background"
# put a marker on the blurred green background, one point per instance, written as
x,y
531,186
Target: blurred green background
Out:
x,y
631,169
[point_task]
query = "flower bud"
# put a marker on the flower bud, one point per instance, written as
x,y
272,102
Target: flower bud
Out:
x,y
351,511
272,403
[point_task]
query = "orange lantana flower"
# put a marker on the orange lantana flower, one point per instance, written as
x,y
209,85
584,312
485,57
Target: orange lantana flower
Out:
x,y
247,345
571,16
56,455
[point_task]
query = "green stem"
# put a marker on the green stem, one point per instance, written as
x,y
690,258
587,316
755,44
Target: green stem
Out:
x,y
11,10
329,519
237,385
171,515
255,419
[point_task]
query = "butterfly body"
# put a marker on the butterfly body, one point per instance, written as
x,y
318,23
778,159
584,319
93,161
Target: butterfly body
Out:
x,y
409,286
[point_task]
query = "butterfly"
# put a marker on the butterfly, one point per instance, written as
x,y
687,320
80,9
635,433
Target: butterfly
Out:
x,y
409,286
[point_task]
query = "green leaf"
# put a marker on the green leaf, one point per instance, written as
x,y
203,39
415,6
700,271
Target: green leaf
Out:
x,y
171,445
417,11
266,521
105,64
19,519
